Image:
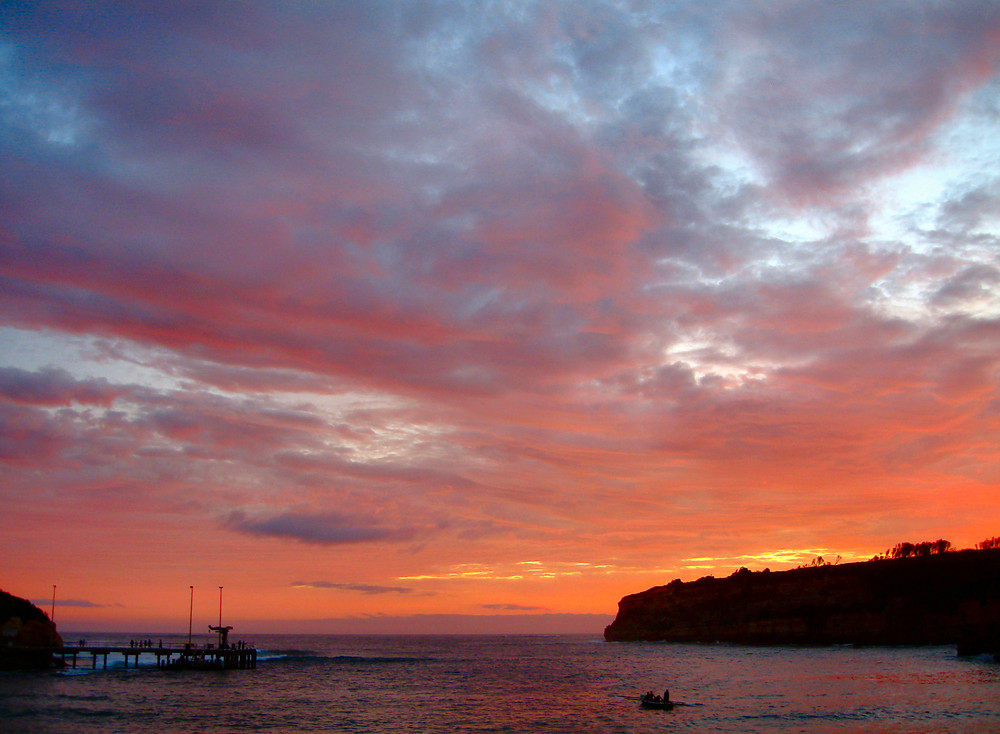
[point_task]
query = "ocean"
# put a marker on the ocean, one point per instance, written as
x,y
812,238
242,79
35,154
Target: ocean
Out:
x,y
555,684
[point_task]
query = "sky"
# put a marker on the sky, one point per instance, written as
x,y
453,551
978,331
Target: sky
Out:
x,y
438,316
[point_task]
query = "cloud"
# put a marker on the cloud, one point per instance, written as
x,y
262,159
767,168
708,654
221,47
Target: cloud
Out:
x,y
368,589
827,100
74,603
53,386
320,529
974,285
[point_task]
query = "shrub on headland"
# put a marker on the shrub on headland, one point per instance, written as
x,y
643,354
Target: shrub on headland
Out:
x,y
916,550
919,550
930,547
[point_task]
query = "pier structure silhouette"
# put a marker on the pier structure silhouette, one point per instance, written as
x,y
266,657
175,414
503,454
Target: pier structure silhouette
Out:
x,y
220,655
177,656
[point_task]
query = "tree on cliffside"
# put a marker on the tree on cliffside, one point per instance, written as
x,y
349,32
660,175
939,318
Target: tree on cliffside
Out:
x,y
918,550
900,550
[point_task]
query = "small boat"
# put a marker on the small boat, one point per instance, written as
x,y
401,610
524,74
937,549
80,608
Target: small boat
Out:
x,y
655,702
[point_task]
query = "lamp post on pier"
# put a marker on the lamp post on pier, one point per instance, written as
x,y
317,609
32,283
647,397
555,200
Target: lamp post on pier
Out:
x,y
52,614
190,617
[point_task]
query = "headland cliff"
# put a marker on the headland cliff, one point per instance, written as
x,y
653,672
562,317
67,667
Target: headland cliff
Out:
x,y
27,635
950,598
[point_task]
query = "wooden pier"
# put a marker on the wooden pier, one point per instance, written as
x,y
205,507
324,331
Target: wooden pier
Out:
x,y
168,657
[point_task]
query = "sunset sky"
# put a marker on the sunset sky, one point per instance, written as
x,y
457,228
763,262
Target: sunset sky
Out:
x,y
416,315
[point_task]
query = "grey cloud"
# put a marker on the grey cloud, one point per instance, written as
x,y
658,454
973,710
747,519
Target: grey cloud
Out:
x,y
972,209
321,528
368,589
75,603
827,99
970,284
53,386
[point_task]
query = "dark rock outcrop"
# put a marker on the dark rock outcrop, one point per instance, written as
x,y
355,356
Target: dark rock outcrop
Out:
x,y
27,635
951,598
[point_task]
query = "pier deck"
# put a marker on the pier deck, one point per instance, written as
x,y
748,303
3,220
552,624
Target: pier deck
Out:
x,y
182,656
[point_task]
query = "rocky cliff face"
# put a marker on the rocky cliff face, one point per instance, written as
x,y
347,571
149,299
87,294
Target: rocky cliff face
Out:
x,y
25,633
952,598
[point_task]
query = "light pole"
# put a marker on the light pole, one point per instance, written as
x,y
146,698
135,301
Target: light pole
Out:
x,y
52,615
190,616
220,606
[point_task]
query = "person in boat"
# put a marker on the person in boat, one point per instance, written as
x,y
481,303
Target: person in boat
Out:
x,y
650,697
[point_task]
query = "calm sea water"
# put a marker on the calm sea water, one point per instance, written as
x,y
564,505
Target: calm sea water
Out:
x,y
571,684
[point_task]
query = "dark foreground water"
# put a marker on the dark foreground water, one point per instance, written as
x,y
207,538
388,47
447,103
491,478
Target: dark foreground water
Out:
x,y
556,684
